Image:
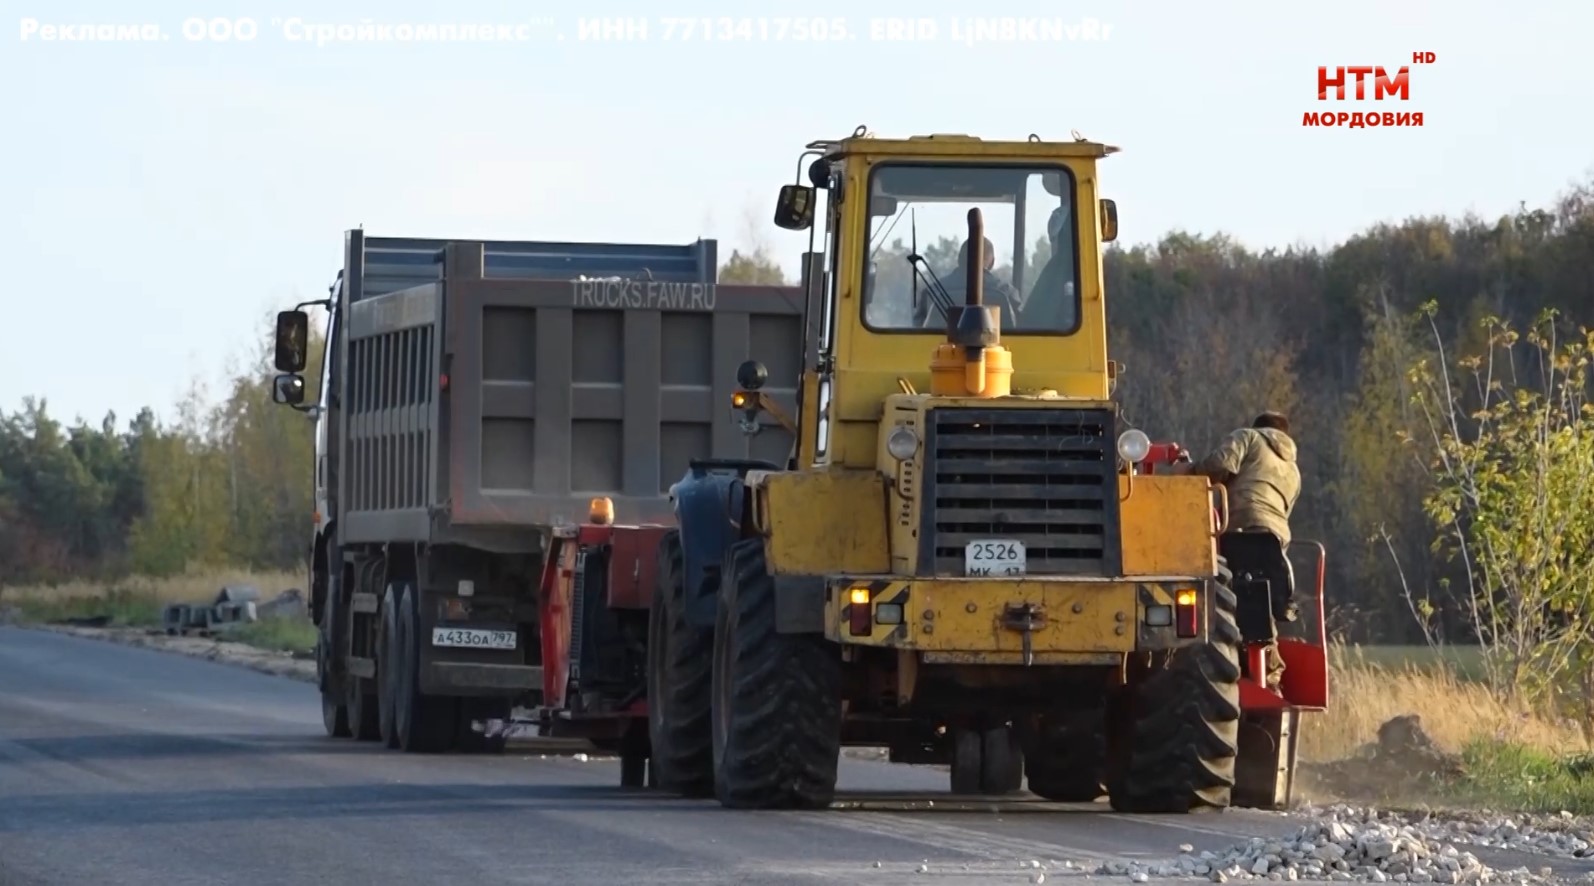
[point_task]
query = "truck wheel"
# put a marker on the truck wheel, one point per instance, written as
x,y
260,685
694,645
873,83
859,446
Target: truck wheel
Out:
x,y
1067,760
1184,723
386,673
334,716
680,677
777,697
364,719
425,723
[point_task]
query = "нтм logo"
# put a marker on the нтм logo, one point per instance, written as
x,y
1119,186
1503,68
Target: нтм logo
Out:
x,y
1384,86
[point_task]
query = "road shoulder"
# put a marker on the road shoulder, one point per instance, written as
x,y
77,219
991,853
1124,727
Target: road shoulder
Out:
x,y
265,661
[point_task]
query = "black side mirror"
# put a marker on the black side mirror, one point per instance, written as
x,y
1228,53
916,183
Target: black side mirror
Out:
x,y
1109,221
293,341
794,209
750,376
288,389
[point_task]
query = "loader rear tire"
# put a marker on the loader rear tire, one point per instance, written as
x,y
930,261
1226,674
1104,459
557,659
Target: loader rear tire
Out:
x,y
1184,723
680,680
777,697
967,750
1001,761
425,723
1067,760
986,761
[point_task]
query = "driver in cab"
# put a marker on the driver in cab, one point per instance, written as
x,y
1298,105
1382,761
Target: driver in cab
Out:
x,y
1050,303
998,292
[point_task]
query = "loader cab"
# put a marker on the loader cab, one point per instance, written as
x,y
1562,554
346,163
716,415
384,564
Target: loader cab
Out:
x,y
895,231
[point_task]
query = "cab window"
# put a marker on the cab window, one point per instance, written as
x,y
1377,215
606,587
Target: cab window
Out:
x,y
1031,256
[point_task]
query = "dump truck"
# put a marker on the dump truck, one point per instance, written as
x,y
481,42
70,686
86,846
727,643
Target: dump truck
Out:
x,y
968,556
485,409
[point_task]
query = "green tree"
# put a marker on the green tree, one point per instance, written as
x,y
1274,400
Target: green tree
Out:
x,y
1513,497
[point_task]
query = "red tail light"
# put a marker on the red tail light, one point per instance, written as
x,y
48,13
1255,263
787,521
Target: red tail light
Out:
x,y
1186,617
859,619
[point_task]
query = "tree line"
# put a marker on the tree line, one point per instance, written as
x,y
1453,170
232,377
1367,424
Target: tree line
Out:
x,y
1388,352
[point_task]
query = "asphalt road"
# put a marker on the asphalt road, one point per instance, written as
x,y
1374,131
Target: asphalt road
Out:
x,y
127,766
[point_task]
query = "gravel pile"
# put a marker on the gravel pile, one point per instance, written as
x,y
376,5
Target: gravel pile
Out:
x,y
1563,836
1333,850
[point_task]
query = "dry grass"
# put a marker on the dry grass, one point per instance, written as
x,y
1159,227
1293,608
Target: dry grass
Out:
x,y
138,600
1366,690
197,587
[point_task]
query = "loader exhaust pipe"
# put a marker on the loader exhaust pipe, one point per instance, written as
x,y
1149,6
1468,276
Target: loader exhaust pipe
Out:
x,y
972,361
974,282
974,320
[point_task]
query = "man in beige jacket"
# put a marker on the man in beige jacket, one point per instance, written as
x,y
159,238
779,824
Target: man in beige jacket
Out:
x,y
1257,465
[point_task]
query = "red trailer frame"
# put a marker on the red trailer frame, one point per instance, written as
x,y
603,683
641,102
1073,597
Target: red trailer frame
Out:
x,y
628,576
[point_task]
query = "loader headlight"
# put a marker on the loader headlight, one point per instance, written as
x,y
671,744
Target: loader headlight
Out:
x,y
902,443
1134,446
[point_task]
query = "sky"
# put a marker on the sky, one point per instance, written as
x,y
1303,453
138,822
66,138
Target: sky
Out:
x,y
163,197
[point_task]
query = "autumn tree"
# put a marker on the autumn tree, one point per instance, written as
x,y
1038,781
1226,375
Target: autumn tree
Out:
x,y
1513,498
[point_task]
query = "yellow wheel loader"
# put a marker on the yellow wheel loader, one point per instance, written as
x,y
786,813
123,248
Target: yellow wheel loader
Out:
x,y
965,558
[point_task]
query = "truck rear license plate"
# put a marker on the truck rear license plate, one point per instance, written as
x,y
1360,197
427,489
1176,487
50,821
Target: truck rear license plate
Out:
x,y
994,556
474,638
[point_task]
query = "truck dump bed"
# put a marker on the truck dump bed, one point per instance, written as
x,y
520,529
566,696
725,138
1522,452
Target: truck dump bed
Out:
x,y
489,389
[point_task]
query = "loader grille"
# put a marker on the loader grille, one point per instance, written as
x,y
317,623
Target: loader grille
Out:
x,y
1045,477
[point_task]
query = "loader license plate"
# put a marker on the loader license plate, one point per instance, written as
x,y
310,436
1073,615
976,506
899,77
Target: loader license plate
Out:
x,y
994,556
474,638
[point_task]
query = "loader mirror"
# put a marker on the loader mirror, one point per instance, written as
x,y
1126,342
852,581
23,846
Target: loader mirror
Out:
x,y
882,207
750,376
794,209
1109,221
293,334
288,389
819,174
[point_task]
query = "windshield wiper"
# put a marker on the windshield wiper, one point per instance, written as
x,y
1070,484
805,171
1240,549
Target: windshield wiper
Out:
x,y
938,293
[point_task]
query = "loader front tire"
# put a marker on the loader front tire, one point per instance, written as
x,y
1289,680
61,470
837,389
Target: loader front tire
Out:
x,y
680,680
777,697
1184,723
1066,760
